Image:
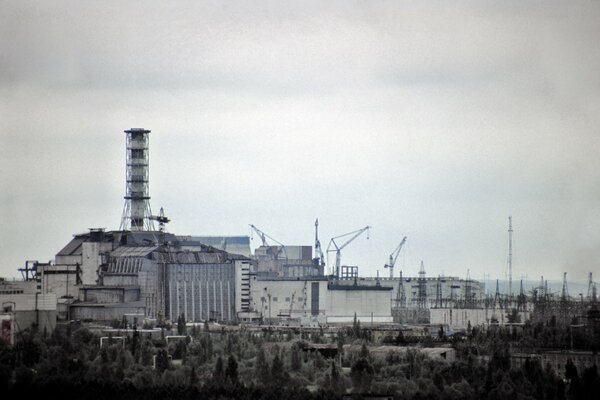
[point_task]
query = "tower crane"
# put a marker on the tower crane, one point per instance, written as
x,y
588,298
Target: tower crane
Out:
x,y
338,249
394,257
263,237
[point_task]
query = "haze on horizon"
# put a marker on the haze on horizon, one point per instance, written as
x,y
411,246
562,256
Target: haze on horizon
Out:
x,y
427,120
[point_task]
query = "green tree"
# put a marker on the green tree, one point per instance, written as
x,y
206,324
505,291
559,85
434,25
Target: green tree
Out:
x,y
262,367
193,377
277,370
336,380
295,358
340,345
162,361
219,373
135,342
181,325
364,351
362,374
231,372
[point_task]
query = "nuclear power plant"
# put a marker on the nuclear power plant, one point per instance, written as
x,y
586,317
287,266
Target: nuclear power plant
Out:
x,y
141,271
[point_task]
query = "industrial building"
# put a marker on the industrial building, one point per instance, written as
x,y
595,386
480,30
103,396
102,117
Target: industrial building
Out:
x,y
23,307
142,270
285,261
316,301
102,275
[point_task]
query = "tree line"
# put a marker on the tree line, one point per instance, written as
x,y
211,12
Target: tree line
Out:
x,y
246,365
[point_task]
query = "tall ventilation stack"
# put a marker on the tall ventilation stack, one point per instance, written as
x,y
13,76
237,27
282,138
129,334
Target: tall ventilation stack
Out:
x,y
136,212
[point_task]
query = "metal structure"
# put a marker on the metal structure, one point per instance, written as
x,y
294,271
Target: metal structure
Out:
x,y
319,259
522,298
394,257
263,238
510,235
565,289
137,212
161,219
400,295
497,298
338,249
422,288
469,300
591,294
438,293
349,272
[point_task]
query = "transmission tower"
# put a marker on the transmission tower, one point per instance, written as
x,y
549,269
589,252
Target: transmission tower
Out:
x,y
401,295
422,287
497,300
438,293
591,294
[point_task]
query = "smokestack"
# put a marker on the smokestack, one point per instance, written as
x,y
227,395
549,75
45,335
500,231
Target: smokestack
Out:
x,y
136,211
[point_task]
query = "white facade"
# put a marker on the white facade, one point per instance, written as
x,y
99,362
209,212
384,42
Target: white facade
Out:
x,y
288,298
23,307
276,299
368,305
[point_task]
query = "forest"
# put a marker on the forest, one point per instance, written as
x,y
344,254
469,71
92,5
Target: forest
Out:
x,y
216,363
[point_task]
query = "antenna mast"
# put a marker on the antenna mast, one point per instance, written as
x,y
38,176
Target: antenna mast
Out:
x,y
510,234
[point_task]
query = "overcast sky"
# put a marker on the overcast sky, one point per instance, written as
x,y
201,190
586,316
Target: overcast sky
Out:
x,y
421,119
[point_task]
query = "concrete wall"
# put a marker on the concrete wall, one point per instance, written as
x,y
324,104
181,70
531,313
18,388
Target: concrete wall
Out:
x,y
369,305
106,312
120,280
16,322
201,291
90,262
29,302
27,309
59,280
458,319
17,287
105,294
274,297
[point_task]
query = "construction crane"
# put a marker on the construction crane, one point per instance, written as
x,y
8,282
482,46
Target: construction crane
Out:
x,y
319,259
161,218
263,237
394,257
338,249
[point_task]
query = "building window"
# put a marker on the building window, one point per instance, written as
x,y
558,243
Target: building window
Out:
x,y
274,298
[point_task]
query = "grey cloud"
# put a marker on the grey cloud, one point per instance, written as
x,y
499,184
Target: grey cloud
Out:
x,y
421,119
